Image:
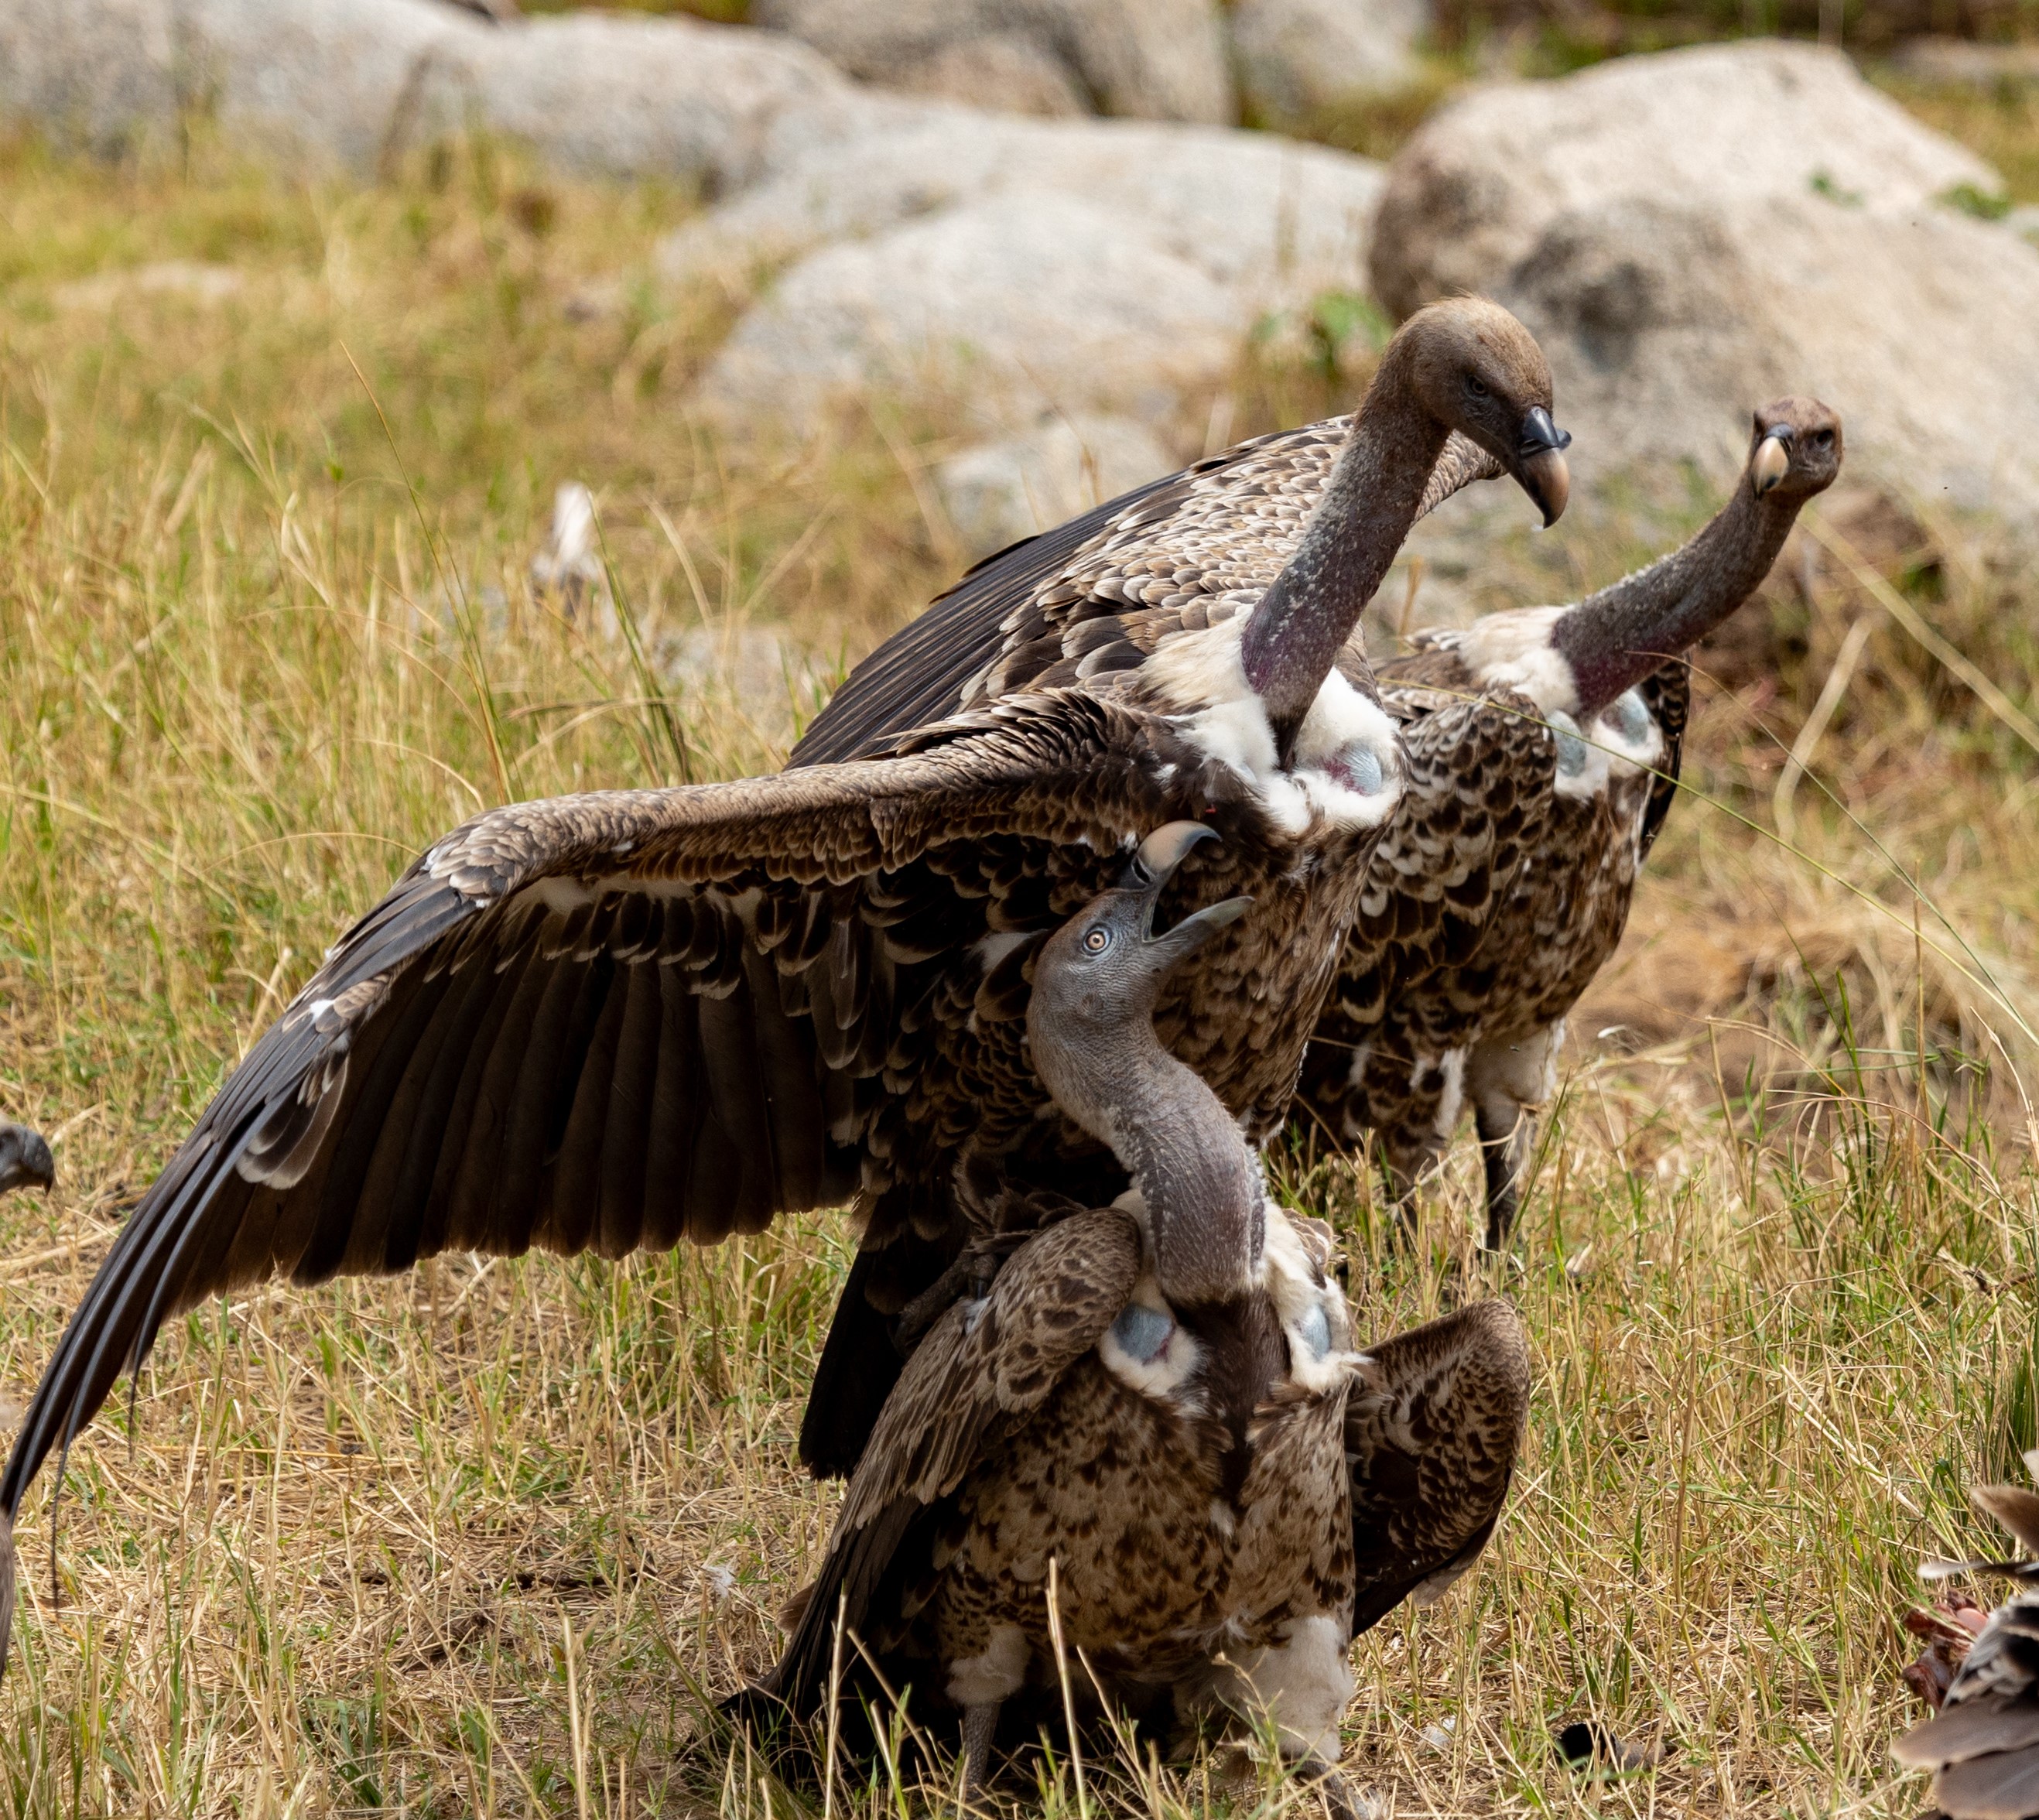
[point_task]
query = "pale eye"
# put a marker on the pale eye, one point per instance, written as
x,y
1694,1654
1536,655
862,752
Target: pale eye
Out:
x,y
1097,941
1476,386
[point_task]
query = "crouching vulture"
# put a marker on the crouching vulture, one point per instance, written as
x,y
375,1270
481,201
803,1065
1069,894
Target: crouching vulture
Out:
x,y
620,1019
1161,1397
1504,885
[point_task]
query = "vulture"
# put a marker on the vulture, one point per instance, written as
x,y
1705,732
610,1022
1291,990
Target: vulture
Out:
x,y
1539,757
1504,884
25,1161
1982,1746
616,1020
1161,1397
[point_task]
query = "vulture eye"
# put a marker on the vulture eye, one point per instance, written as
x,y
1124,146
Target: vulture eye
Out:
x,y
1823,440
1476,386
1097,941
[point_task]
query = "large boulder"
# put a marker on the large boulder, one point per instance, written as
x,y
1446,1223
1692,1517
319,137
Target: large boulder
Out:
x,y
354,81
1667,321
1475,188
1691,234
1144,60
1022,267
1297,57
998,492
1011,306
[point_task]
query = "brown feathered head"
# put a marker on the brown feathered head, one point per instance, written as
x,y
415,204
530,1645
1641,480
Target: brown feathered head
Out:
x,y
1478,370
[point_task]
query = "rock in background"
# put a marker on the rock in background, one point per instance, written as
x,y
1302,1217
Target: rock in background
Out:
x,y
1691,234
357,82
1472,191
998,492
1297,57
1141,59
1015,269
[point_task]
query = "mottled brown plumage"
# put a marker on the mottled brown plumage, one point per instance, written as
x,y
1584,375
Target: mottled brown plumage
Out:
x,y
1984,1746
1158,1398
1504,884
617,1020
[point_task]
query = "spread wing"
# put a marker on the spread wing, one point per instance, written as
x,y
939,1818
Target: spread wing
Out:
x,y
1431,1430
983,1367
1097,593
608,1021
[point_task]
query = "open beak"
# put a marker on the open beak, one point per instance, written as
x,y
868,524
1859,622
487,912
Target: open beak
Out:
x,y
1156,863
1772,459
1541,465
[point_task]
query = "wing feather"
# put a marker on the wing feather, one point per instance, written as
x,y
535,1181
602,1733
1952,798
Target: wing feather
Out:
x,y
421,1092
983,1367
1431,1431
1053,608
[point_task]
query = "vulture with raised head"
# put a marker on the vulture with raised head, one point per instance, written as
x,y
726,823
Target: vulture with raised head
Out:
x,y
620,1019
1161,1397
1504,885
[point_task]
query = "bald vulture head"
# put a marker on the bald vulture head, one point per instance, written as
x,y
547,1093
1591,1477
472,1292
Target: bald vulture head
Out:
x,y
1098,977
1795,449
25,1161
1090,1024
1478,370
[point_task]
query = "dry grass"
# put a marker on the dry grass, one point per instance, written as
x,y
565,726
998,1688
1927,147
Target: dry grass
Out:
x,y
490,1538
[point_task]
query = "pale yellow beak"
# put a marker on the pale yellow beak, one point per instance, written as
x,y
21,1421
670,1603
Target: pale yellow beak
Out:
x,y
1772,459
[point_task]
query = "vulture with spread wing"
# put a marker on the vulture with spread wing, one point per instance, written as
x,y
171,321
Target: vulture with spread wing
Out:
x,y
1540,753
620,1019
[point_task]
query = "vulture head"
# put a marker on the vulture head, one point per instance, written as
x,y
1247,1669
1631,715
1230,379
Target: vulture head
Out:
x,y
25,1159
1795,449
1098,977
1090,1024
1476,370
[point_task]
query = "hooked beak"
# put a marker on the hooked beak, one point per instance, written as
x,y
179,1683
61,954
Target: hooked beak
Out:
x,y
1541,466
1772,459
1156,863
30,1166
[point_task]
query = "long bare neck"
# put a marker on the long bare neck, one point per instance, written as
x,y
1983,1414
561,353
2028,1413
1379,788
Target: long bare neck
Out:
x,y
1186,1154
1307,612
1615,638
1200,1181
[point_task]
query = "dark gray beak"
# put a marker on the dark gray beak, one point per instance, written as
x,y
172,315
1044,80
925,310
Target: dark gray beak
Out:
x,y
1772,459
1156,863
1541,464
25,1161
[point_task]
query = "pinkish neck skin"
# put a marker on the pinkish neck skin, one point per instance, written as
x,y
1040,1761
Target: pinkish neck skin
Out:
x,y
1307,614
1615,638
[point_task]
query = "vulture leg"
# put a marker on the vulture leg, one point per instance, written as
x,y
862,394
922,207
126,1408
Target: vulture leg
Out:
x,y
1330,1782
980,1724
1507,1135
1509,1084
1431,1431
